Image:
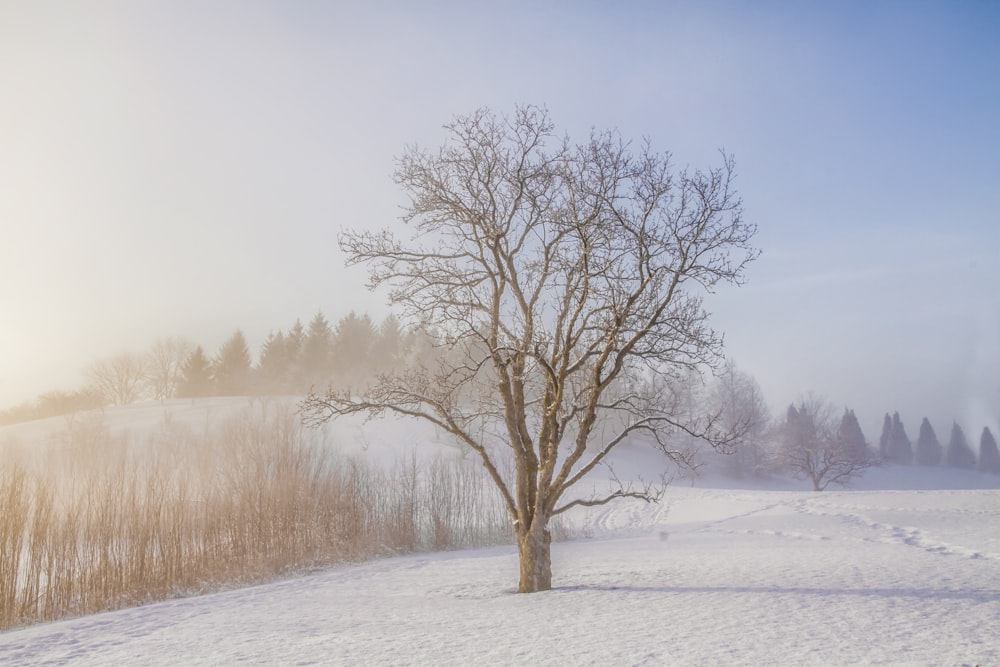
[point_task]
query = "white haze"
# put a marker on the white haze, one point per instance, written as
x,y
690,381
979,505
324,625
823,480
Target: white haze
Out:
x,y
183,168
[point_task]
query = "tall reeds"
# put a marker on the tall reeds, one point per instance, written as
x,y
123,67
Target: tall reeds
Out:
x,y
96,521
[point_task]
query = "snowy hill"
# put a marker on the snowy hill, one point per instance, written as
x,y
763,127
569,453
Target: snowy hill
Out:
x,y
712,575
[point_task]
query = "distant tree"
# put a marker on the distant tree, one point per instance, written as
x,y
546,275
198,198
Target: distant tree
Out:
x,y
389,350
422,346
353,341
53,404
811,446
317,352
883,441
989,456
959,454
295,342
899,449
738,401
196,380
273,366
120,379
929,450
852,438
165,366
231,370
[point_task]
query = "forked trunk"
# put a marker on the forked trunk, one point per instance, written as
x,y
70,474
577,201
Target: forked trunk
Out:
x,y
534,550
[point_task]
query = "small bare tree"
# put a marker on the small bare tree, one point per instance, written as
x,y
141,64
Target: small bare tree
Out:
x,y
566,282
739,401
812,445
165,366
120,379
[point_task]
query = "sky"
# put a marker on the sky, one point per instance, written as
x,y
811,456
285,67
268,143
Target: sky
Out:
x,y
184,168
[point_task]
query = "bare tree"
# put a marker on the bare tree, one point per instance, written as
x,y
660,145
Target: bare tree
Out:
x,y
165,366
120,379
739,401
567,282
814,446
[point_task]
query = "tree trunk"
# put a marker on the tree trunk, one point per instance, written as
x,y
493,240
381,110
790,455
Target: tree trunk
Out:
x,y
534,550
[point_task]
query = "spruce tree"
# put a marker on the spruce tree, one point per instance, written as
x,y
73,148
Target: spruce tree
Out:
x,y
232,366
960,454
851,438
928,448
989,456
900,450
352,349
196,380
273,367
883,441
389,349
317,353
295,342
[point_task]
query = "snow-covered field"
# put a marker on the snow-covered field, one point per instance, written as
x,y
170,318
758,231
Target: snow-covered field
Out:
x,y
711,576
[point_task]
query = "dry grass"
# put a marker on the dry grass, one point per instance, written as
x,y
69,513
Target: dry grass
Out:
x,y
99,521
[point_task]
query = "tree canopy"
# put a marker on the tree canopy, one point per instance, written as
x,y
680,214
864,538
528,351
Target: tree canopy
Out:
x,y
566,280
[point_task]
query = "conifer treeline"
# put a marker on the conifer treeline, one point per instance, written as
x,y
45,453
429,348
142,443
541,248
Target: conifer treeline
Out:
x,y
357,350
895,447
289,362
296,360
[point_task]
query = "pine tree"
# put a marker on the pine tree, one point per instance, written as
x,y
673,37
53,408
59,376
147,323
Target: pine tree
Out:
x,y
883,441
390,347
352,349
928,448
900,450
232,366
851,437
317,352
960,454
295,342
989,456
273,366
196,380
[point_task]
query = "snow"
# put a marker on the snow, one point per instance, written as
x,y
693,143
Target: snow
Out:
x,y
882,574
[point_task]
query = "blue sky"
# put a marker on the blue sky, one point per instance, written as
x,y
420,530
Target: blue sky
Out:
x,y
183,168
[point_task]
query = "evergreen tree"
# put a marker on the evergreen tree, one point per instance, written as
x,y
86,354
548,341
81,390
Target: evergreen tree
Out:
x,y
352,349
232,366
196,380
390,347
851,437
960,454
928,448
317,353
295,342
274,365
899,449
989,456
883,441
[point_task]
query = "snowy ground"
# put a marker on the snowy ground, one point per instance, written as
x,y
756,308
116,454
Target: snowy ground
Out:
x,y
712,576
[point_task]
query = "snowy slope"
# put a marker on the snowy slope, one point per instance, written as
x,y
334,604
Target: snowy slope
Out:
x,y
721,577
711,576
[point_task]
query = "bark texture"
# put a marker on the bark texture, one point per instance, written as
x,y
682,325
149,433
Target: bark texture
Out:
x,y
534,548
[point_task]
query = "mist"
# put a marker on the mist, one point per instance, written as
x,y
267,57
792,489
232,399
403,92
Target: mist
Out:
x,y
184,170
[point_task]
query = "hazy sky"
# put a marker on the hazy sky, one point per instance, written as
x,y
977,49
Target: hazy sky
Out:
x,y
183,168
